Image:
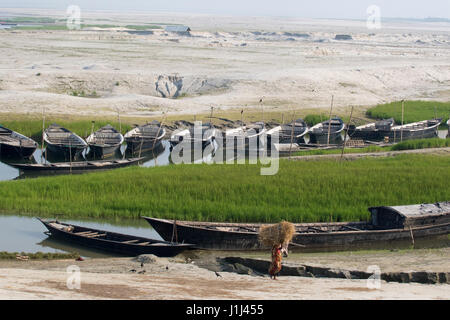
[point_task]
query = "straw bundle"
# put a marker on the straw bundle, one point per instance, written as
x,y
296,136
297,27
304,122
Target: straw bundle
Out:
x,y
276,234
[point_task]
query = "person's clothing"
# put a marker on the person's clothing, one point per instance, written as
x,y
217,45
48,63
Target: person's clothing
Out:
x,y
275,266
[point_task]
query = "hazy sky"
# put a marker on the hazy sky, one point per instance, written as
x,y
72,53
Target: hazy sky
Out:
x,y
344,9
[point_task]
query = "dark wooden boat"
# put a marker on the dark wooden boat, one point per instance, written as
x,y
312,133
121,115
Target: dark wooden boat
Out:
x,y
319,133
127,245
291,132
76,167
202,135
104,142
415,130
245,137
372,132
62,141
13,144
145,138
386,224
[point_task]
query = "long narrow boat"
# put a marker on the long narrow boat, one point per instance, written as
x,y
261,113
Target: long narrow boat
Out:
x,y
386,224
63,142
75,167
291,132
327,132
145,138
105,141
113,242
202,135
415,130
373,131
13,144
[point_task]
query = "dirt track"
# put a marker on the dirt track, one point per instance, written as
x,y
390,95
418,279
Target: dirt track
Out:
x,y
354,156
177,279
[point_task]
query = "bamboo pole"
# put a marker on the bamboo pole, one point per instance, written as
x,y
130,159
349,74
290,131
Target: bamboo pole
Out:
x,y
345,136
403,113
329,121
43,129
292,134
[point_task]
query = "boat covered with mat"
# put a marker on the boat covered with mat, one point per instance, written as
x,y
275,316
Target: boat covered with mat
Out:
x,y
127,245
63,142
105,141
386,224
327,132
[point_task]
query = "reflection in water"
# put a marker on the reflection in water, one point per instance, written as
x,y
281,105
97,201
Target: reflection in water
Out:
x,y
161,156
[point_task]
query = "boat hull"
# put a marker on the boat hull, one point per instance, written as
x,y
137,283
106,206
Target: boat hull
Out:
x,y
397,135
205,238
7,150
103,151
322,138
136,146
160,248
65,151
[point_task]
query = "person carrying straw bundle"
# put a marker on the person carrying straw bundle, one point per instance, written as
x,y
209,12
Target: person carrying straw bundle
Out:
x,y
277,237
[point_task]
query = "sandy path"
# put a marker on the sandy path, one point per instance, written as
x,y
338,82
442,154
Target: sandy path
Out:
x,y
176,279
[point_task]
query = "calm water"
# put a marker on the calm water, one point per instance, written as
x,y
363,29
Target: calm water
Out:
x,y
160,157
26,234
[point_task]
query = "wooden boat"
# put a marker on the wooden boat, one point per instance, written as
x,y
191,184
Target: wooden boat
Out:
x,y
105,142
113,242
319,133
372,132
75,167
202,135
13,144
145,138
61,141
386,224
292,132
244,137
415,130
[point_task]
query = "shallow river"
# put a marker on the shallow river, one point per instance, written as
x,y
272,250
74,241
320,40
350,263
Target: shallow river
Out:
x,y
26,234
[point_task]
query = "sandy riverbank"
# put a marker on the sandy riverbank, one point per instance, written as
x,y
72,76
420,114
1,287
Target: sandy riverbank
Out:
x,y
181,278
225,62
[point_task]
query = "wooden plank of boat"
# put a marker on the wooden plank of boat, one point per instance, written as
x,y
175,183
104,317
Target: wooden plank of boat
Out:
x,y
128,245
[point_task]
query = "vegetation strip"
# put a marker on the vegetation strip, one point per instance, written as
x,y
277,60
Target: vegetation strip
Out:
x,y
311,191
414,111
37,256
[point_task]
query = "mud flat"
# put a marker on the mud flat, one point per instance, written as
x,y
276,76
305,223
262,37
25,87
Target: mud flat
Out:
x,y
224,62
192,276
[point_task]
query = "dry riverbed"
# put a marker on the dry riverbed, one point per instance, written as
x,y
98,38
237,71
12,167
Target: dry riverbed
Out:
x,y
192,276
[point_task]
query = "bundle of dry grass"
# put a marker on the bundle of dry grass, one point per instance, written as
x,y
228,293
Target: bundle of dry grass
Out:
x,y
276,234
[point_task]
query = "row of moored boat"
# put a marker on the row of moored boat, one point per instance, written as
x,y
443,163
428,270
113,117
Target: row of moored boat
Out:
x,y
107,140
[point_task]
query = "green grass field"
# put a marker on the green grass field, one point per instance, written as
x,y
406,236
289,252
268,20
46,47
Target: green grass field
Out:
x,y
413,111
310,191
